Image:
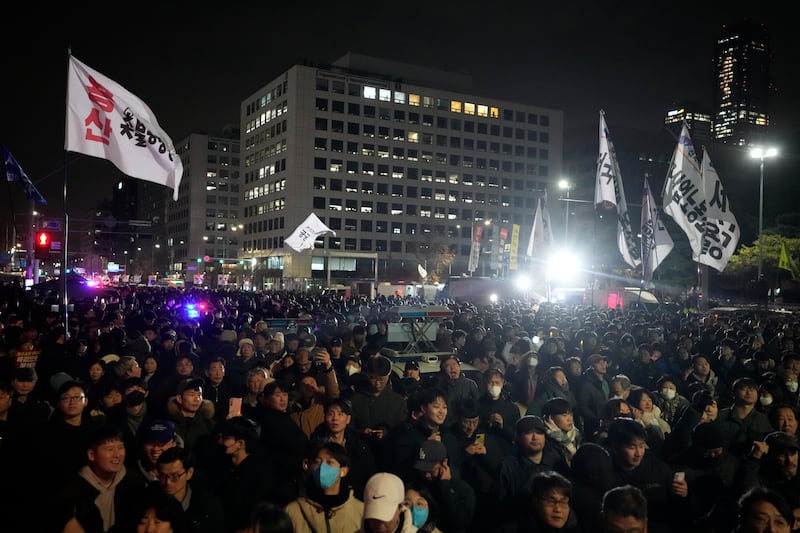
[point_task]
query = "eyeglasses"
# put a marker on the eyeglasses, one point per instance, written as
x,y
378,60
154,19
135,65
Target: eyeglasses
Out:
x,y
552,502
171,477
76,398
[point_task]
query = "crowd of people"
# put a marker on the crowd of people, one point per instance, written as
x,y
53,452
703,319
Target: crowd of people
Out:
x,y
274,411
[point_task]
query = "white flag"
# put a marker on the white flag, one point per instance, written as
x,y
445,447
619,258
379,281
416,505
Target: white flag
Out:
x,y
656,242
541,233
609,191
306,233
683,194
105,120
475,247
721,234
422,272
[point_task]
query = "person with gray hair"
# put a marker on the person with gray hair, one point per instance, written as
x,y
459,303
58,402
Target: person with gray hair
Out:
x,y
127,367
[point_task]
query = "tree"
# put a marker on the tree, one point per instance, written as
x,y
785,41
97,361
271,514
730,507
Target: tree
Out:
x,y
742,269
436,255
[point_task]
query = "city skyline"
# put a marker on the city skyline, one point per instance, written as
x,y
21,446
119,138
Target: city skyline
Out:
x,y
195,80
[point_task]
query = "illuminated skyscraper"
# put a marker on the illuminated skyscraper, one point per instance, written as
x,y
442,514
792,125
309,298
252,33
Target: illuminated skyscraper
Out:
x,y
742,84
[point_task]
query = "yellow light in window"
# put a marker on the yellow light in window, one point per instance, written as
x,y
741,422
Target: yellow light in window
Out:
x,y
455,106
469,108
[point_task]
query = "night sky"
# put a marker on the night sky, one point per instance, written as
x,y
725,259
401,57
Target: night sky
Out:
x,y
193,65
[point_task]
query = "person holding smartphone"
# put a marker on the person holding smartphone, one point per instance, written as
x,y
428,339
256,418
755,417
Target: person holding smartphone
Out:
x,y
480,453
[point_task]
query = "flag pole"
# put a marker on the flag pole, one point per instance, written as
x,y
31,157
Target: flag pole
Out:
x,y
65,238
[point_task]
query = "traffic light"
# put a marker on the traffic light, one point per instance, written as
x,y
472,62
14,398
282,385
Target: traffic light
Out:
x,y
43,240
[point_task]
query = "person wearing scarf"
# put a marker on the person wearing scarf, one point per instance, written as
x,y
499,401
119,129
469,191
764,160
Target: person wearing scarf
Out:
x,y
557,416
327,503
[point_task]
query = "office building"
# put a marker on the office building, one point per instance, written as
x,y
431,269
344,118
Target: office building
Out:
x,y
697,119
400,161
202,230
741,91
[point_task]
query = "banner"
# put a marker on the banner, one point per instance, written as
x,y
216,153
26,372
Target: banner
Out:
x,y
422,272
105,120
683,194
513,261
721,235
609,191
306,233
656,242
475,248
14,173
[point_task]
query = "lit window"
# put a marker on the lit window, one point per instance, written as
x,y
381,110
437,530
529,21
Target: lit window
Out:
x,y
455,106
494,112
413,100
385,95
399,98
413,137
370,93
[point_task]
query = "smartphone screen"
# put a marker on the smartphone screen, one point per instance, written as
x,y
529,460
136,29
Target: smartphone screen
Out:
x,y
480,438
235,407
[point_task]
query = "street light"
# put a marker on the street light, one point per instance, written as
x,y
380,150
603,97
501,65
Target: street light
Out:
x,y
762,154
567,186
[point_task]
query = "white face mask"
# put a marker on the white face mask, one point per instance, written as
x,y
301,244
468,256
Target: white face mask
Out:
x,y
352,369
494,390
765,400
669,394
792,386
533,362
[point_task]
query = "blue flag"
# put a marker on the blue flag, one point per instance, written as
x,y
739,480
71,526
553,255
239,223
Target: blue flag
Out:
x,y
14,172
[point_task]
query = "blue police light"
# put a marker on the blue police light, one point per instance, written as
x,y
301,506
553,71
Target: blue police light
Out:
x,y
191,311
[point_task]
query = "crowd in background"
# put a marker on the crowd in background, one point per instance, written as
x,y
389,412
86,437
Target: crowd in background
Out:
x,y
228,411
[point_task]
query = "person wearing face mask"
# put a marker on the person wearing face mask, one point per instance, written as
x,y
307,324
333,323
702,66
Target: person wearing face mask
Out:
x,y
497,411
770,393
787,377
710,470
327,502
523,374
424,509
135,414
336,428
666,397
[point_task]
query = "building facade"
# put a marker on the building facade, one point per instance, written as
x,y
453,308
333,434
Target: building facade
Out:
x,y
741,91
401,162
202,230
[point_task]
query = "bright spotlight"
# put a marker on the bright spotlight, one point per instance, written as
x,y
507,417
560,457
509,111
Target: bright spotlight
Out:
x,y
493,298
523,283
564,266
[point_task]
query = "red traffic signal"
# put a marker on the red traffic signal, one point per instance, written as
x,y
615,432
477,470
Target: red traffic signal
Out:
x,y
43,240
